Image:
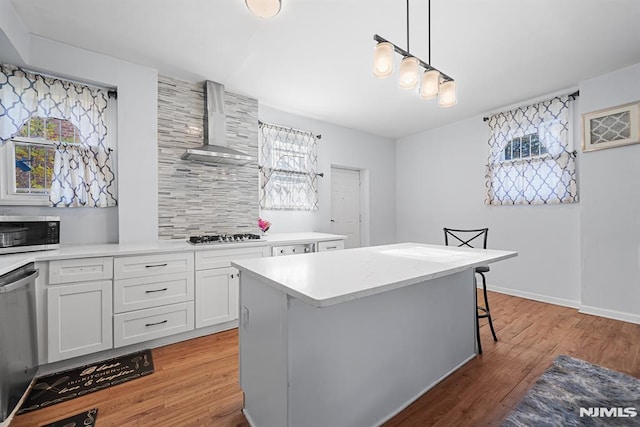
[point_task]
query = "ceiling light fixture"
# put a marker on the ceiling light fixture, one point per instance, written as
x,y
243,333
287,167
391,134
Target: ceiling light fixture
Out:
x,y
264,8
434,82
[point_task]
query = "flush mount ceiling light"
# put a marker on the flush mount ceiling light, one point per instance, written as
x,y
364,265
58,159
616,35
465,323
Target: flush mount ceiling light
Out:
x,y
264,8
434,82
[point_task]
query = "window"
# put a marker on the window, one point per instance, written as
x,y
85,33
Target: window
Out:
x,y
530,158
523,147
33,168
288,168
55,147
32,154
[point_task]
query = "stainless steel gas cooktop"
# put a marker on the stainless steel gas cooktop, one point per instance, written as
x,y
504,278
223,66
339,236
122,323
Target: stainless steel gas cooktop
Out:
x,y
212,239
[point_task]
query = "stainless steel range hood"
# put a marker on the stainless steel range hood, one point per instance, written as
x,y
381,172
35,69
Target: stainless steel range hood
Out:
x,y
215,149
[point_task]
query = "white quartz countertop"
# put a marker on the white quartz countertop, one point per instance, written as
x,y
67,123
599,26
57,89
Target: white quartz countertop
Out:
x,y
13,261
326,278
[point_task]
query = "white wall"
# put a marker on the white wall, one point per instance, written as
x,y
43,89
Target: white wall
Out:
x,y
440,183
585,254
14,37
136,217
610,214
340,146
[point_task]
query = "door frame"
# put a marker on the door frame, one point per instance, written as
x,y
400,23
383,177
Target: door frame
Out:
x,y
365,230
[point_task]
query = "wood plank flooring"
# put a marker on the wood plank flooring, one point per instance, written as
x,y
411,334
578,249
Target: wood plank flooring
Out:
x,y
196,381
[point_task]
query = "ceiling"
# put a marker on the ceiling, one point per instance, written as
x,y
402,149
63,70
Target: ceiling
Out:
x,y
315,57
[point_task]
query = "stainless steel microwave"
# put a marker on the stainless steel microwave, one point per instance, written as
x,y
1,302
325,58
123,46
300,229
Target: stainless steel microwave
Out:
x,y
28,233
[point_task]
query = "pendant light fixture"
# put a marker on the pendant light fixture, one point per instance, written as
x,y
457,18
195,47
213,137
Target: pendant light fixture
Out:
x,y
409,74
434,82
383,60
264,8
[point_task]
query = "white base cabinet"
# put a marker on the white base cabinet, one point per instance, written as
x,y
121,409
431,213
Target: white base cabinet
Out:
x,y
79,319
217,284
153,296
217,296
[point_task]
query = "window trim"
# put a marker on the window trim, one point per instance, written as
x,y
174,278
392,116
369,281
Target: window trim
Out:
x,y
8,194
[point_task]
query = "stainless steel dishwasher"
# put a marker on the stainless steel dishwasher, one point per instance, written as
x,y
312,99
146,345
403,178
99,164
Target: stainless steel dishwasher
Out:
x,y
18,336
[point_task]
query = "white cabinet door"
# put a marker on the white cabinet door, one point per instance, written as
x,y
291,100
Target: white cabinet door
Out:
x,y
79,319
216,296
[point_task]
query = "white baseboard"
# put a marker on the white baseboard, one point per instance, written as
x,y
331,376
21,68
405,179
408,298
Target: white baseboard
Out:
x,y
584,309
610,314
536,297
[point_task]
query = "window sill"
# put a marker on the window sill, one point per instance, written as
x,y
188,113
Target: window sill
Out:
x,y
19,201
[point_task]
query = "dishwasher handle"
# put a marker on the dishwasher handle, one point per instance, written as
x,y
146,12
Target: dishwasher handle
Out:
x,y
25,280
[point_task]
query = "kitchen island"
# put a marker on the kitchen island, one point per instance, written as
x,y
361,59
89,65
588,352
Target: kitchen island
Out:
x,y
350,338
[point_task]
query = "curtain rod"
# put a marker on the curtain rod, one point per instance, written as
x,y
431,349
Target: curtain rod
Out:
x,y
63,79
289,129
572,96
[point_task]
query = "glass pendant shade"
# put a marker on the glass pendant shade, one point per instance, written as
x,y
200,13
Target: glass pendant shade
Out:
x,y
264,8
409,76
430,84
383,60
447,94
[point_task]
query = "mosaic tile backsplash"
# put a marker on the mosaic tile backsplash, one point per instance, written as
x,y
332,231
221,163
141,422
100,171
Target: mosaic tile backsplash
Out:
x,y
197,198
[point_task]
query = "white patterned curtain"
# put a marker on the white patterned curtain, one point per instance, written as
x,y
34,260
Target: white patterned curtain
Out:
x,y
288,164
531,160
82,177
24,95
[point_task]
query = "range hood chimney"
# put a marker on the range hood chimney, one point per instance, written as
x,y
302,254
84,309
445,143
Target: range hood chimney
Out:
x,y
215,149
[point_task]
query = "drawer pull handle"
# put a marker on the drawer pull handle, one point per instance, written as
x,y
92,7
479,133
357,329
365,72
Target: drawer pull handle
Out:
x,y
157,323
332,247
156,290
156,265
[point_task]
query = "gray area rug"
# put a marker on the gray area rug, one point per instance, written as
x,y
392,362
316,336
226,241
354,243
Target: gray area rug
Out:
x,y
607,398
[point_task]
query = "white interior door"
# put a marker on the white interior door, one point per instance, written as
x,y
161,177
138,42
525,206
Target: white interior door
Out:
x,y
345,205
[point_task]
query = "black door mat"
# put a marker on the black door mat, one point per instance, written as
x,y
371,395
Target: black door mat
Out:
x,y
85,419
63,386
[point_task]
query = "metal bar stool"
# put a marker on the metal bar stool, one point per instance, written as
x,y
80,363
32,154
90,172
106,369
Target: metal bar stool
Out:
x,y
473,239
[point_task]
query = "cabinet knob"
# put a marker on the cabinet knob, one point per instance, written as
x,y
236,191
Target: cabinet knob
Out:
x,y
281,251
232,276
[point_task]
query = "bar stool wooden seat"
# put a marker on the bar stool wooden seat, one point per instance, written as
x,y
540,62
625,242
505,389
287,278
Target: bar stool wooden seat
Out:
x,y
474,238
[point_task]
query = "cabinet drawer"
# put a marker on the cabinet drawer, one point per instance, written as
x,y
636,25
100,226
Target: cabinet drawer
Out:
x,y
143,325
80,270
152,265
332,245
147,292
222,257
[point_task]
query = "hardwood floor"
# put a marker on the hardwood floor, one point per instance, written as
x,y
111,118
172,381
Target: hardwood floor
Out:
x,y
196,382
